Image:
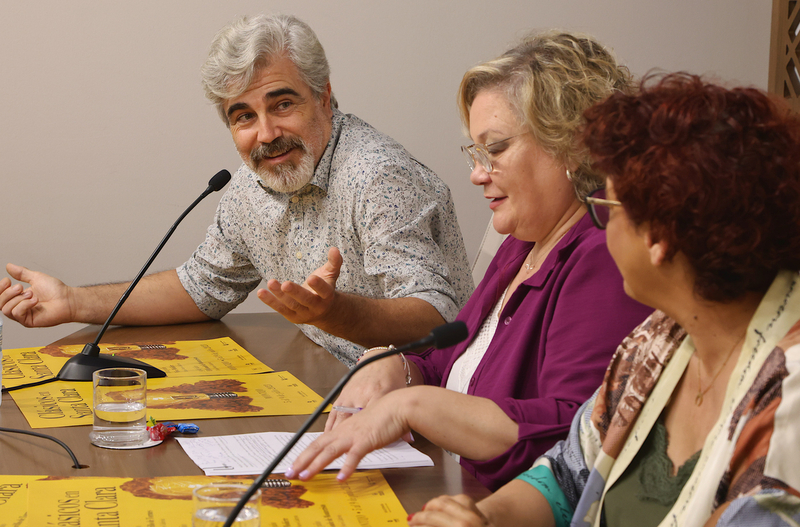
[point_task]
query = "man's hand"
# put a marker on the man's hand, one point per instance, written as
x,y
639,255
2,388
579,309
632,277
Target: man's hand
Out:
x,y
365,321
311,302
45,303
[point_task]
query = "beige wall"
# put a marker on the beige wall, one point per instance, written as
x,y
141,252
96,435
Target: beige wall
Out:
x,y
106,136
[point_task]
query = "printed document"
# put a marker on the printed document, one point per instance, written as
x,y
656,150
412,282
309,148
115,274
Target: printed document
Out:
x,y
247,454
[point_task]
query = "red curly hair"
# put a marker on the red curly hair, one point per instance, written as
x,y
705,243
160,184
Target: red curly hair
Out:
x,y
713,172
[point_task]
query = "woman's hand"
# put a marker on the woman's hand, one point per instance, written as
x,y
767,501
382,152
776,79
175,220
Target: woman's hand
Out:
x,y
515,504
449,511
474,427
383,423
368,385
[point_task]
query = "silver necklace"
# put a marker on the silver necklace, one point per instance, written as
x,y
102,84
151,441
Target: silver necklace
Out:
x,y
532,266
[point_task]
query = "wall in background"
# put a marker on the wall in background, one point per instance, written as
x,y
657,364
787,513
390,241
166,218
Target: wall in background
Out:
x,y
106,136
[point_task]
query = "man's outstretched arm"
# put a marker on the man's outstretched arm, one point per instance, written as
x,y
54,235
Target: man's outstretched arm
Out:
x,y
158,299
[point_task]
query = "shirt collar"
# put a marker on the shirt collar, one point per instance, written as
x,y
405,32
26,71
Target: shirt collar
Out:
x,y
323,171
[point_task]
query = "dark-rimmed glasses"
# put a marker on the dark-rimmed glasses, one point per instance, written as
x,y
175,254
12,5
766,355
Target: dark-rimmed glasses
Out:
x,y
600,207
479,153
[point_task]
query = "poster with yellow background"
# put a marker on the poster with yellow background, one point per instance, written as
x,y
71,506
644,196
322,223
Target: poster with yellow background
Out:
x,y
14,499
365,500
63,403
183,358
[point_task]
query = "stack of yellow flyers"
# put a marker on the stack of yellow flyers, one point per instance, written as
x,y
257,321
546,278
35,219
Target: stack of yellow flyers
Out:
x,y
206,379
365,500
182,358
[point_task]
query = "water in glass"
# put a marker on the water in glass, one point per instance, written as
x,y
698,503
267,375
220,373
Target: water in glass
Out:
x,y
216,516
120,408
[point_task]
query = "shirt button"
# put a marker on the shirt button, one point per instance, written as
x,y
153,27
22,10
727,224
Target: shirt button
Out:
x,y
507,321
299,255
472,382
295,199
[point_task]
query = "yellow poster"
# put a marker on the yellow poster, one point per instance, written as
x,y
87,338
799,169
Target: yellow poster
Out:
x,y
63,403
14,499
183,358
364,500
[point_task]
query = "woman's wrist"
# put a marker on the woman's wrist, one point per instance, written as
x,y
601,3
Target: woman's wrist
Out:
x,y
372,351
403,362
406,369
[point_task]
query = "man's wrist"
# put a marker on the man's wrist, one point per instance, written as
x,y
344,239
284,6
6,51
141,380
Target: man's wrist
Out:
x,y
80,305
338,317
93,304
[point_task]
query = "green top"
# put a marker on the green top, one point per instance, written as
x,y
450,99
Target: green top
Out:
x,y
646,491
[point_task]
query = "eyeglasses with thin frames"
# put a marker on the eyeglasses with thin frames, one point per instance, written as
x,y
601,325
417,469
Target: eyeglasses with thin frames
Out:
x,y
480,153
600,208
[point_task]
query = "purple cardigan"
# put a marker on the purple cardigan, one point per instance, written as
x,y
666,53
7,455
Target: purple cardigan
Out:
x,y
552,345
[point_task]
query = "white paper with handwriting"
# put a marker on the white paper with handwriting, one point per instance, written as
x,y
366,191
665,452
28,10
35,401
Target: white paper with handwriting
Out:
x,y
247,454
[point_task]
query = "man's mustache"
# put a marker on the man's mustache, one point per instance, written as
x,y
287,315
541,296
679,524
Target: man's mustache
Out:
x,y
279,146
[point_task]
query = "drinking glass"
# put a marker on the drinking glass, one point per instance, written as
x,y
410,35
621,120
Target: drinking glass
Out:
x,y
120,408
213,503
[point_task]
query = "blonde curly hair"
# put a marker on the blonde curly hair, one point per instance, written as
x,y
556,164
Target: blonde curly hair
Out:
x,y
550,79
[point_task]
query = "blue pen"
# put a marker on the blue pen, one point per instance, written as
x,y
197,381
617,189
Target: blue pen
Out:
x,y
347,409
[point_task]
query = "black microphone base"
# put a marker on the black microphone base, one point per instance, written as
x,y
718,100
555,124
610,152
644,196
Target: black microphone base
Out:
x,y
81,366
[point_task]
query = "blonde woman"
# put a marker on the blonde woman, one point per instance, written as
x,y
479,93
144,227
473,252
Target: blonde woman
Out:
x,y
551,309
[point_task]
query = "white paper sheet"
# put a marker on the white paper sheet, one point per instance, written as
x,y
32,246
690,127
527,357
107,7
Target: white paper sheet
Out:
x,y
247,454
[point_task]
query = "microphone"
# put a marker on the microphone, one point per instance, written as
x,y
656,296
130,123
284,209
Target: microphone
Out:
x,y
440,337
81,366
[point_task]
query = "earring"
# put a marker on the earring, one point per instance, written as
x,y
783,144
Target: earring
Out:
x,y
569,176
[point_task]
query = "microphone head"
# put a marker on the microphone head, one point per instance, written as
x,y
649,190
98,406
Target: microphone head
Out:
x,y
450,334
219,180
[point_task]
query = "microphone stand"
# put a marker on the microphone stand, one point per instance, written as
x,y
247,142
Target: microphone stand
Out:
x,y
82,366
441,337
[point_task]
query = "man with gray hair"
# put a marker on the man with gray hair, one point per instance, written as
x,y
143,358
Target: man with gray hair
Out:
x,y
358,241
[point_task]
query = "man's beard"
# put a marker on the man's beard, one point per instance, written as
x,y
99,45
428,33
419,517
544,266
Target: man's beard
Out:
x,y
288,176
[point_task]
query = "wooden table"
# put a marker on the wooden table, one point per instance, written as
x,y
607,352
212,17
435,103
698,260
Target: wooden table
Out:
x,y
272,340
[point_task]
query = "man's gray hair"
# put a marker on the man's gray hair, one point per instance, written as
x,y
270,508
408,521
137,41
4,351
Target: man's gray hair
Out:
x,y
245,46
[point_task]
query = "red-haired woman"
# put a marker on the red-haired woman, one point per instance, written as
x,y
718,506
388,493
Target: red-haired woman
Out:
x,y
696,422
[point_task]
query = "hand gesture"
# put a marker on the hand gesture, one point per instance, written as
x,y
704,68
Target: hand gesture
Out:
x,y
45,303
311,302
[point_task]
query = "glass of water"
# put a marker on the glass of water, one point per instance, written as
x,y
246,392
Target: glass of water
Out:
x,y
213,504
120,408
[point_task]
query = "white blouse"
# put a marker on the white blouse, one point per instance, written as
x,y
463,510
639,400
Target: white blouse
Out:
x,y
465,366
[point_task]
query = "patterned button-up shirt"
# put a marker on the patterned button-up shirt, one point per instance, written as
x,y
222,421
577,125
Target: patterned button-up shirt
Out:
x,y
391,217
